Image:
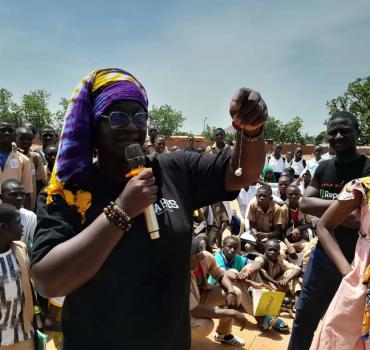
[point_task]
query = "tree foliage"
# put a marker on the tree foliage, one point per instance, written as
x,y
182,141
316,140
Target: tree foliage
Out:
x,y
166,120
290,132
209,132
34,108
322,137
58,117
356,99
9,110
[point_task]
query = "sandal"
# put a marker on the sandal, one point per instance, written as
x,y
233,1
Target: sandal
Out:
x,y
229,339
280,326
275,323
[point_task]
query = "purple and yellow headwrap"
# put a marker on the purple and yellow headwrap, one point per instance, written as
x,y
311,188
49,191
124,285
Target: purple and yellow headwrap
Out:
x,y
95,93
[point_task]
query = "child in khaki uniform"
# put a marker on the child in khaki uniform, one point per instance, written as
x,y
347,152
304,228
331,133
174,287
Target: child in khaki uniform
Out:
x,y
266,219
277,272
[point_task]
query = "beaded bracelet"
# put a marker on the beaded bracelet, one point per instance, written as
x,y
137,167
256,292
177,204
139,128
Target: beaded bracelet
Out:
x,y
117,216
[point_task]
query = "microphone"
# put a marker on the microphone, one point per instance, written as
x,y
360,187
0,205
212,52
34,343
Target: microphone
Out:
x,y
136,159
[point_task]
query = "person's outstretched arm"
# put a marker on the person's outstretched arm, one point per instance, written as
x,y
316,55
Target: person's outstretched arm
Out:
x,y
312,204
334,216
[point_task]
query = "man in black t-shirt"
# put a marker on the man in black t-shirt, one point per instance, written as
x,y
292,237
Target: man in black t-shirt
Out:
x,y
322,279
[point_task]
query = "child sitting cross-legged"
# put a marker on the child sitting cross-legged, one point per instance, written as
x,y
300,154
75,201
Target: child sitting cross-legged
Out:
x,y
245,272
277,272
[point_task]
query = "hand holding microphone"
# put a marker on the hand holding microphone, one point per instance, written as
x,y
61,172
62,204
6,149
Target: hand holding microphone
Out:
x,y
140,192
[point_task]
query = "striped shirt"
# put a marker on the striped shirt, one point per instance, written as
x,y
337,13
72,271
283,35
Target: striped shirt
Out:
x,y
11,300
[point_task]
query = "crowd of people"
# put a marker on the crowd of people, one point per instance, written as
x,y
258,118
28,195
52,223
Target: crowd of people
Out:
x,y
283,223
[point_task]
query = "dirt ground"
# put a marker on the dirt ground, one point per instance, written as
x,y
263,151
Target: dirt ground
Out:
x,y
253,337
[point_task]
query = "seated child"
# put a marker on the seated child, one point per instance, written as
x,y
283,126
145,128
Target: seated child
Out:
x,y
16,296
277,272
266,218
298,237
228,258
268,175
283,183
242,270
206,298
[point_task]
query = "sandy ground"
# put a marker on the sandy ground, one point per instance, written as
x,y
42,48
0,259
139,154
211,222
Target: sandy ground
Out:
x,y
253,337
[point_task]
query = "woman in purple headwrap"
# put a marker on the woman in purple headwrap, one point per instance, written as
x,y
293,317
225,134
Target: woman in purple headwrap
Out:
x,y
124,290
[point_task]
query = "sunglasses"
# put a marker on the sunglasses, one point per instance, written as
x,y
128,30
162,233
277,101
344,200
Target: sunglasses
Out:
x,y
122,120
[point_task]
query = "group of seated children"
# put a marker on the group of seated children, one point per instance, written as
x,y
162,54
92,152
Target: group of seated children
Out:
x,y
220,286
230,276
276,250
283,221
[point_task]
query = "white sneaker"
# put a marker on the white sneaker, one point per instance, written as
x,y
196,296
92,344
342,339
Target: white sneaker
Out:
x,y
230,339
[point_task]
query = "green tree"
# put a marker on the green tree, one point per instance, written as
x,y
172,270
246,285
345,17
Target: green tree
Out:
x,y
308,139
322,137
34,108
229,138
356,99
57,119
166,120
292,131
273,129
8,108
209,132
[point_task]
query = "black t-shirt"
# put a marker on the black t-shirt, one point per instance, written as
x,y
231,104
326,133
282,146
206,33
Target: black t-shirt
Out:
x,y
330,178
140,297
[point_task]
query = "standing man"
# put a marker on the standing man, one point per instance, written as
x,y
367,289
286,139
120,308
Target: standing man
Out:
x,y
289,157
23,139
218,217
220,144
50,155
276,161
321,279
48,137
298,163
13,164
314,163
191,147
160,146
153,134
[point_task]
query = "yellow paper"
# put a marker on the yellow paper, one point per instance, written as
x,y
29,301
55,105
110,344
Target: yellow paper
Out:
x,y
266,302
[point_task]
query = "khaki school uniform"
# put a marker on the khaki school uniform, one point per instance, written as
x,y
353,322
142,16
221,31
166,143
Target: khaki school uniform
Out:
x,y
280,270
213,296
213,149
267,221
18,167
38,174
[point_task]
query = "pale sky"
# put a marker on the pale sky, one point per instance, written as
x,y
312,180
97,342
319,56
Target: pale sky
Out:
x,y
192,55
